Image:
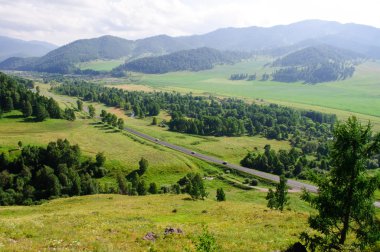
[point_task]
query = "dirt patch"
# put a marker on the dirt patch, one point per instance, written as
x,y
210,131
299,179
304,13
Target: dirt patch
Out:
x,y
133,87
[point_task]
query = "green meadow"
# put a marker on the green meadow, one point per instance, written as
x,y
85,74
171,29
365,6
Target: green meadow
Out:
x,y
123,151
100,65
359,95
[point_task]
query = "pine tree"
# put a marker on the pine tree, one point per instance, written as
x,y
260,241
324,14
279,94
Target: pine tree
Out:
x,y
153,188
220,195
143,166
27,109
154,121
80,105
346,194
91,111
278,199
41,113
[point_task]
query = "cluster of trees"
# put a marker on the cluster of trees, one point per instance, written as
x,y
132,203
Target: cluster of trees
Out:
x,y
190,60
315,73
316,64
290,163
134,183
39,173
17,94
193,185
140,103
112,120
243,76
209,115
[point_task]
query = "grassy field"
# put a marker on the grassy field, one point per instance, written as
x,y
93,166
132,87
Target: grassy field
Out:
x,y
122,151
100,65
231,149
118,223
359,95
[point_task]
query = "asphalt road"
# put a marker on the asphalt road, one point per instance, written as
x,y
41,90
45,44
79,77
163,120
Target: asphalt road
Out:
x,y
291,183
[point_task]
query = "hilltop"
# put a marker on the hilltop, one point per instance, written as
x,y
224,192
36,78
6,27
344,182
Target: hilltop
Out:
x,y
316,64
11,47
187,60
277,40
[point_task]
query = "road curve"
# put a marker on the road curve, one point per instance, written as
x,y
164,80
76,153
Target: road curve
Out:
x,y
291,183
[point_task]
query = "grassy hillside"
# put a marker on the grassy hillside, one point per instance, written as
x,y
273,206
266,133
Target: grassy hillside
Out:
x,y
231,149
118,223
122,151
187,60
358,95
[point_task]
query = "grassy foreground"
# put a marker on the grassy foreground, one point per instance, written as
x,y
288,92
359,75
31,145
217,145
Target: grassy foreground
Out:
x,y
118,223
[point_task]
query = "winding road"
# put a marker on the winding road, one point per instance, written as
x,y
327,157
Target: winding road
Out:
x,y
291,183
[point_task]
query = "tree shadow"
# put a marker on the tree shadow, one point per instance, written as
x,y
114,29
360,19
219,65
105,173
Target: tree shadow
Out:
x,y
30,120
96,123
113,131
13,116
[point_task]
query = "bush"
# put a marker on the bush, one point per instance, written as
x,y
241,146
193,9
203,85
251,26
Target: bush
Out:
x,y
254,182
206,242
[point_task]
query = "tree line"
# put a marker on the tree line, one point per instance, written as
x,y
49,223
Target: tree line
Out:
x,y
212,116
17,94
243,76
190,60
40,173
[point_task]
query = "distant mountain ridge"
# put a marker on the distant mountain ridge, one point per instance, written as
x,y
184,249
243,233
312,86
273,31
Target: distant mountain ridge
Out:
x,y
187,60
276,40
11,47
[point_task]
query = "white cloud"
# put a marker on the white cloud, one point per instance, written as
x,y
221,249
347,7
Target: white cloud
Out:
x,y
63,21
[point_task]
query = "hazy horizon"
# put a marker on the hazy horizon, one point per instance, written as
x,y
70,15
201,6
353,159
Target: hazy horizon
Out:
x,y
61,22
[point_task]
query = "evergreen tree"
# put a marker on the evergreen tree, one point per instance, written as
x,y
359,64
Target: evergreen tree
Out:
x,y
41,113
278,199
154,121
91,111
100,159
220,195
8,104
346,194
143,166
153,188
141,188
27,109
80,105
69,114
124,187
120,124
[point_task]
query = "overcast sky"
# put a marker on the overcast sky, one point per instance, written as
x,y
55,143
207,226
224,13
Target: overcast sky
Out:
x,y
62,21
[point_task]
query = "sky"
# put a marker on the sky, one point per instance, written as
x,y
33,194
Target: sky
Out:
x,y
63,21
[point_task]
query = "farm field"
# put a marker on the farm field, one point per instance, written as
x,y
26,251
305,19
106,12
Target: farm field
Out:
x,y
358,96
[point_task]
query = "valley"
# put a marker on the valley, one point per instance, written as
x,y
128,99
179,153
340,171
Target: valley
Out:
x,y
193,142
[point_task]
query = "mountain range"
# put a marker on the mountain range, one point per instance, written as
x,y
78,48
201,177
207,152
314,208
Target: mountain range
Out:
x,y
10,47
277,41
